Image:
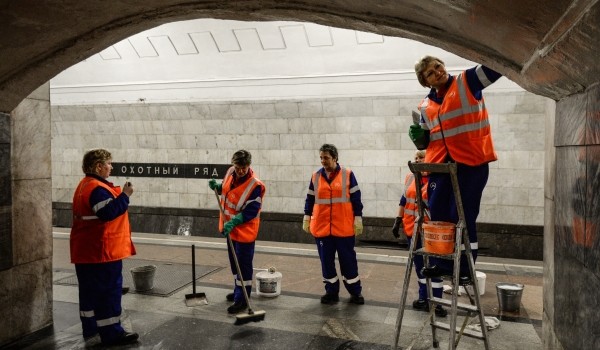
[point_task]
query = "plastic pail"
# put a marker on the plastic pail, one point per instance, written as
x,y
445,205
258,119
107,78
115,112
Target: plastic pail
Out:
x,y
439,237
268,283
143,277
509,295
481,277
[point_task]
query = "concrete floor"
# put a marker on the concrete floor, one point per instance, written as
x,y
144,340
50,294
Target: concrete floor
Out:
x,y
295,319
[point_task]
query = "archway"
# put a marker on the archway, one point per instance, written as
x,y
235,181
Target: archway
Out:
x,y
554,56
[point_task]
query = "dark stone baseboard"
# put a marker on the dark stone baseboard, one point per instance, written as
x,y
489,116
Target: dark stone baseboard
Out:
x,y
497,240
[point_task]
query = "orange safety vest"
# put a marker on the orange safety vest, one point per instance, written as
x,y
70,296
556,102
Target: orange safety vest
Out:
x,y
93,240
233,201
411,209
464,131
332,212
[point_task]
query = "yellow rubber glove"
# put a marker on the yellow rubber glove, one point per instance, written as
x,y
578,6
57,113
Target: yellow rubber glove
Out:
x,y
358,226
306,223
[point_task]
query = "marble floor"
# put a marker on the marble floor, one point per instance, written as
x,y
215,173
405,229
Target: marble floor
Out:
x,y
295,319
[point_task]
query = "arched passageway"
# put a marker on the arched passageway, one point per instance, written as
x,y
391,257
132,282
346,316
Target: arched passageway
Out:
x,y
531,42
551,53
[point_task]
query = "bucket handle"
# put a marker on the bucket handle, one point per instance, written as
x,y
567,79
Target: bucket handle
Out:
x,y
270,269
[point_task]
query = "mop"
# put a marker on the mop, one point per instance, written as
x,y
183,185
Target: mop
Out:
x,y
250,315
195,299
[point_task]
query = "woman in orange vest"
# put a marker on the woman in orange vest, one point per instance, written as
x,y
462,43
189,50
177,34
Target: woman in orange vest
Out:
x,y
241,199
333,215
100,240
407,215
454,127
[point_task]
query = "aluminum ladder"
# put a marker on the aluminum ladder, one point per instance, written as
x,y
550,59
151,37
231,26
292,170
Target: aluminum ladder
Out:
x,y
472,309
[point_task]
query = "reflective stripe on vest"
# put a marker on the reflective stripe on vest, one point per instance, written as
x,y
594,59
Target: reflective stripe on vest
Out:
x,y
344,198
465,128
234,201
464,108
93,217
332,212
93,240
410,207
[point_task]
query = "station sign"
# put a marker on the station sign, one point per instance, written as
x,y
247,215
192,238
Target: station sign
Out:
x,y
184,171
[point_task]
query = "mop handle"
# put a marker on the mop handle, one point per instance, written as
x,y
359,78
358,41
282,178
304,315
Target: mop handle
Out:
x,y
235,259
193,269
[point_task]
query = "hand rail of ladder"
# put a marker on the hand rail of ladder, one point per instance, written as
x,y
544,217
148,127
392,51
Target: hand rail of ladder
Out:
x,y
451,168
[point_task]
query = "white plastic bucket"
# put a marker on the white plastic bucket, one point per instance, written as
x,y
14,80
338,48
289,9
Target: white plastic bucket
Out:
x,y
268,283
481,277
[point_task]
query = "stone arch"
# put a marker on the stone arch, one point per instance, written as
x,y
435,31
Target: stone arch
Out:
x,y
43,41
547,48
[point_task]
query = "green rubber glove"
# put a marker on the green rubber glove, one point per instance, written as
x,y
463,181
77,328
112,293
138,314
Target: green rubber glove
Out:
x,y
214,185
229,225
419,136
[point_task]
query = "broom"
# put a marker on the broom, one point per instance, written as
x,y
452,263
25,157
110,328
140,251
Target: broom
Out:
x,y
250,315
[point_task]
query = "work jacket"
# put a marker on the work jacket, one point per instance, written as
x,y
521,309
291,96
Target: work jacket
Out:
x,y
93,240
234,200
411,209
459,127
332,213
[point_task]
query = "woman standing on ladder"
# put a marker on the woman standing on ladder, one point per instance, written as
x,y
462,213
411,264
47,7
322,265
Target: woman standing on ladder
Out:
x,y
454,127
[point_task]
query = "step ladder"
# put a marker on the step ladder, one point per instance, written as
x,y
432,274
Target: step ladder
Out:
x,y
472,309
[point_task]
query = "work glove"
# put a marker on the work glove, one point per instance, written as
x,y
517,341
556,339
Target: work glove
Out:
x,y
229,225
306,223
358,226
419,136
397,227
212,183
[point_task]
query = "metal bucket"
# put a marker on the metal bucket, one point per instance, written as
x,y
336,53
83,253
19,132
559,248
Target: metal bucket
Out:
x,y
509,296
143,277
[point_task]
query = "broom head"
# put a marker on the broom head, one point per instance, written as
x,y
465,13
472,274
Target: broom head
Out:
x,y
249,316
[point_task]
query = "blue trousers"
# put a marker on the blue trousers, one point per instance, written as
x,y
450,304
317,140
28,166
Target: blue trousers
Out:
x,y
245,255
100,287
344,246
437,284
442,205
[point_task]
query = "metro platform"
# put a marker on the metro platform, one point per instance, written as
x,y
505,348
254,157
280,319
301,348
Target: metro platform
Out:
x,y
295,318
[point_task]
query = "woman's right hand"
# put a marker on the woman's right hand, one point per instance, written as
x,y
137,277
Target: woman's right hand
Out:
x,y
128,189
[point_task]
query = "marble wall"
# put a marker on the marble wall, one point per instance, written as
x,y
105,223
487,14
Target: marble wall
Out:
x,y
5,194
576,255
284,137
26,293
